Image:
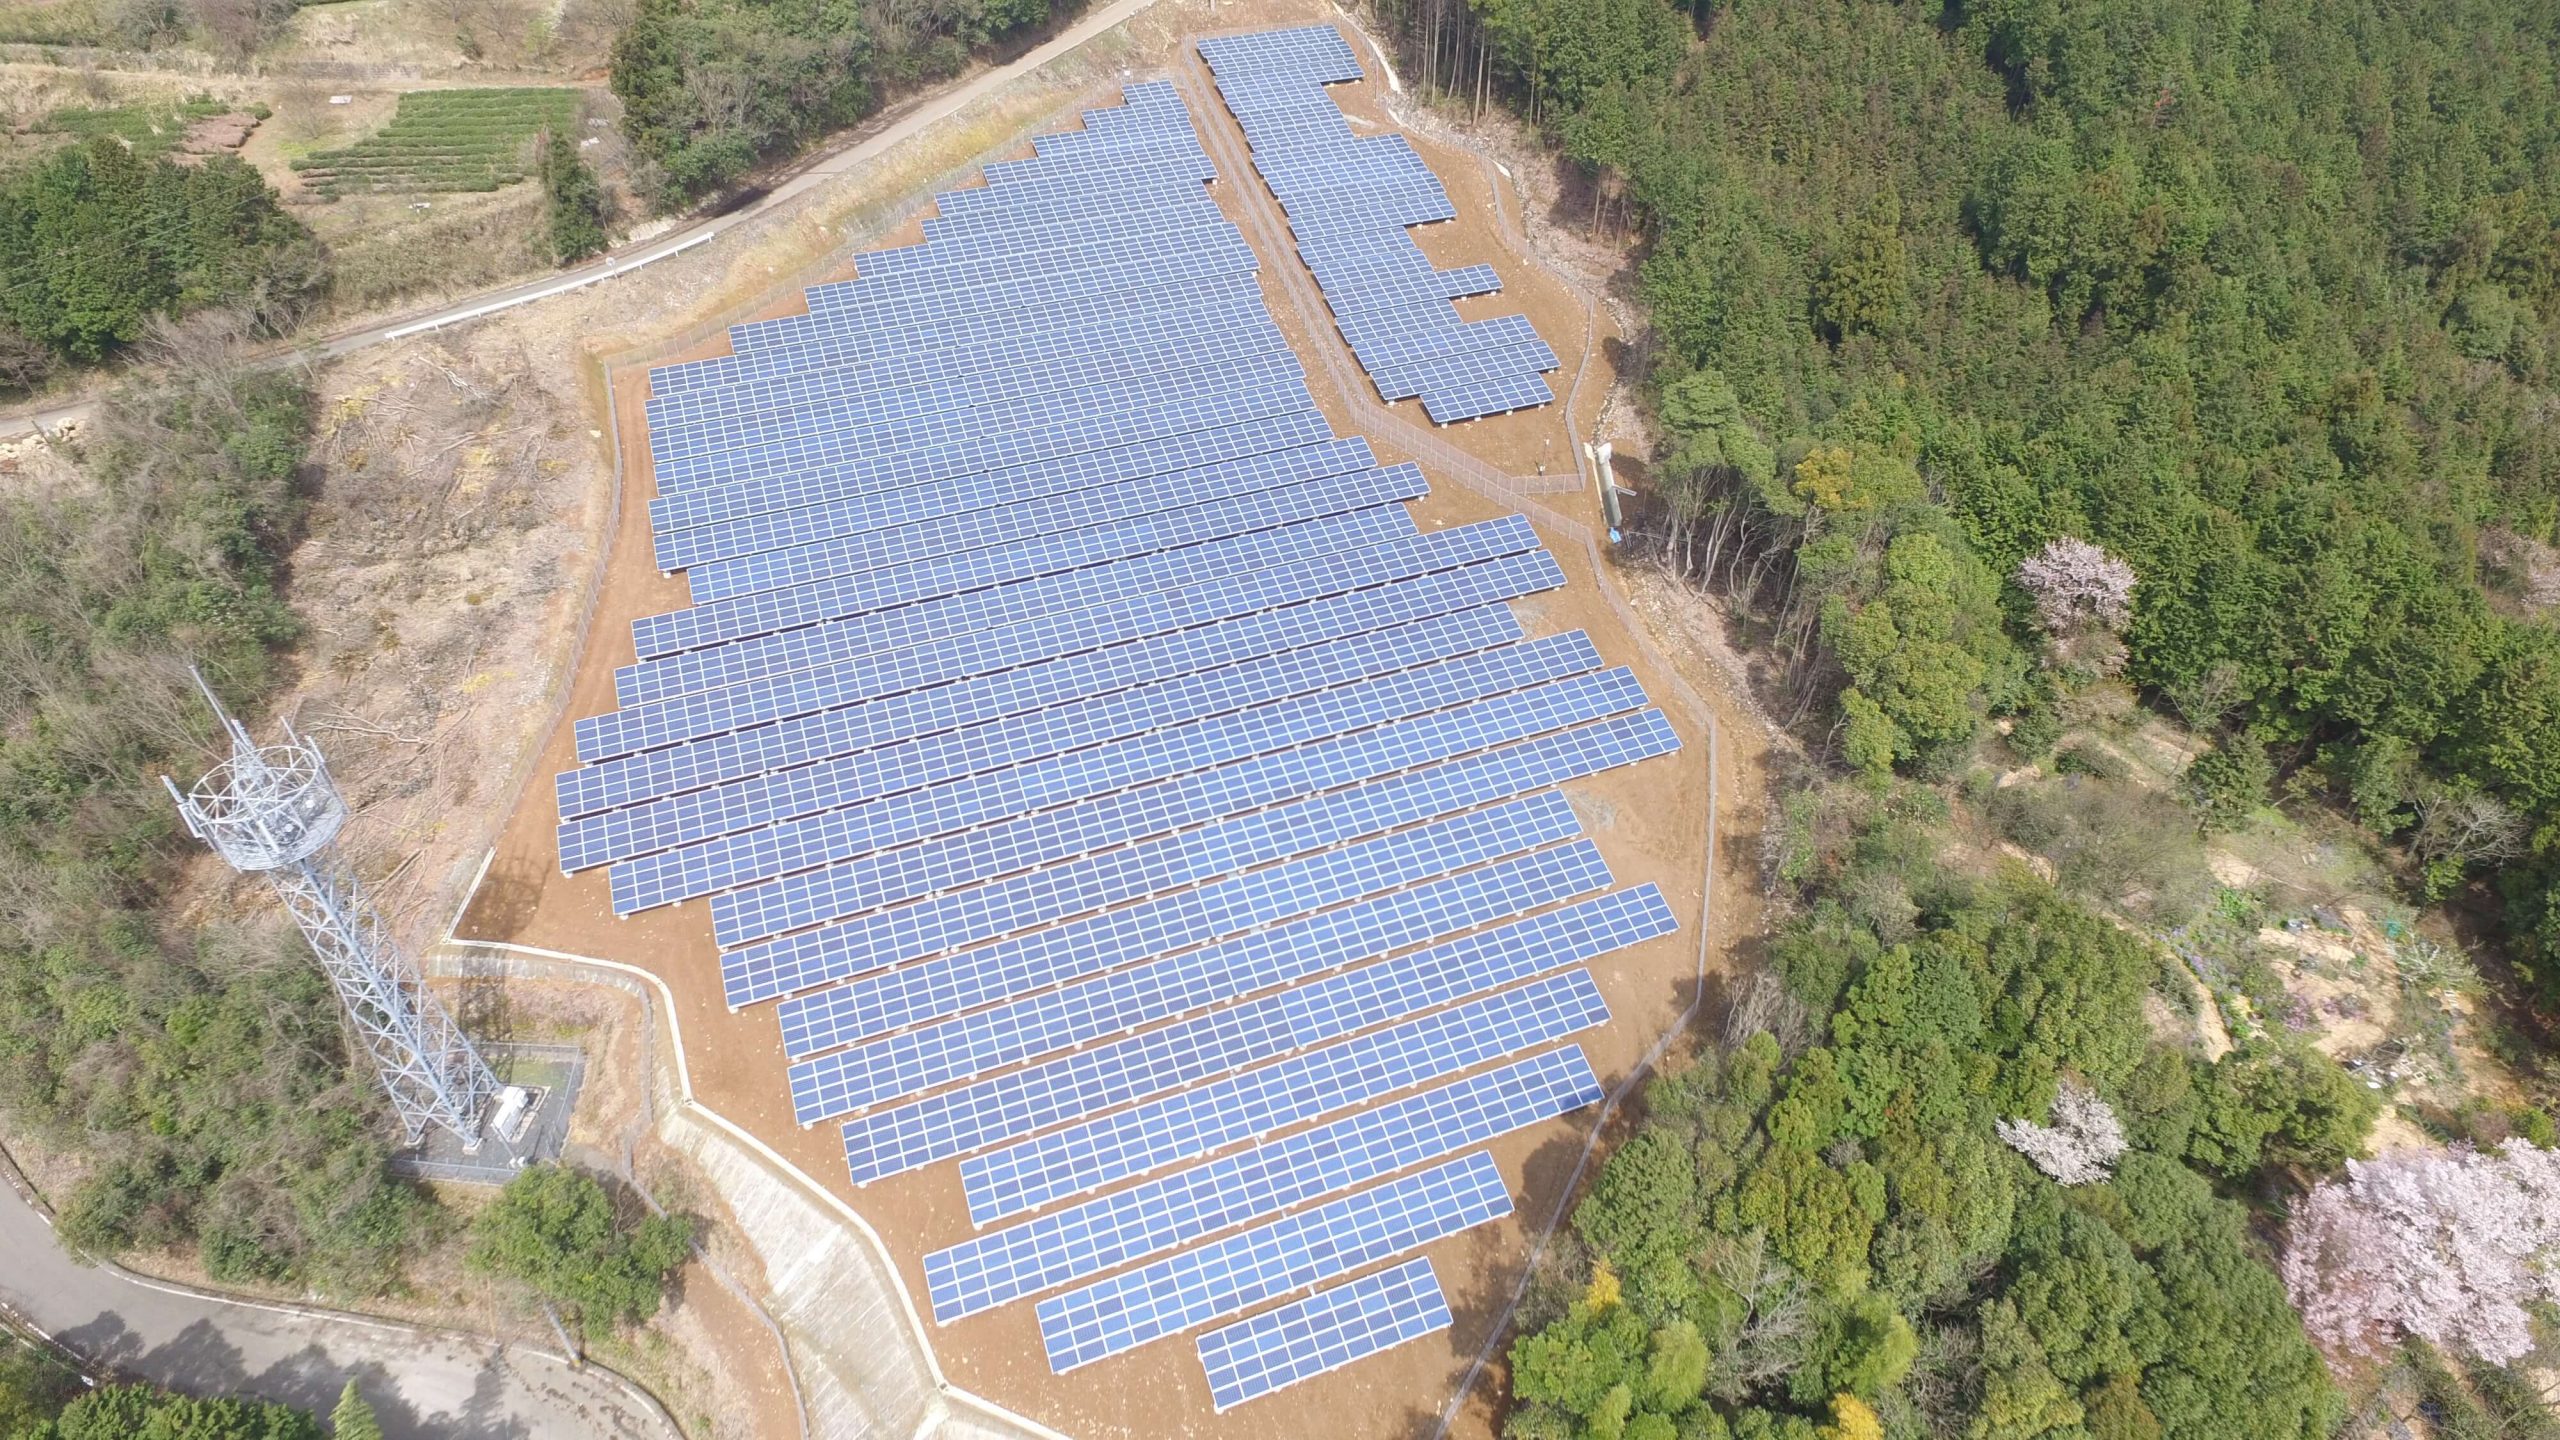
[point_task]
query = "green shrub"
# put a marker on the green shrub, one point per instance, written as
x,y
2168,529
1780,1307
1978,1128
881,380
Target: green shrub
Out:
x,y
2228,783
556,1230
147,130
573,200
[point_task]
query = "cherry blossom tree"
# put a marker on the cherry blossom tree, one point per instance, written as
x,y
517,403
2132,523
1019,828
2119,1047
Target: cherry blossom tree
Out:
x,y
2449,1247
2083,598
2082,1144
2077,585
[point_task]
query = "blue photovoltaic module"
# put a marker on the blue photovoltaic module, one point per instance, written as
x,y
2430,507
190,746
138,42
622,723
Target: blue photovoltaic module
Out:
x,y
1115,789
1350,201
1325,1331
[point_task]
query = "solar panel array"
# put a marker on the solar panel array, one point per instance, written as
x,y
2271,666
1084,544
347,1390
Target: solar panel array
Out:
x,y
1113,787
1327,1330
1351,200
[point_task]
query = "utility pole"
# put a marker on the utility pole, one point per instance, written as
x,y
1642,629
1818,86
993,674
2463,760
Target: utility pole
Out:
x,y
274,811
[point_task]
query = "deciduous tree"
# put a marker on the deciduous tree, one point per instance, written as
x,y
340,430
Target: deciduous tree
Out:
x,y
2451,1248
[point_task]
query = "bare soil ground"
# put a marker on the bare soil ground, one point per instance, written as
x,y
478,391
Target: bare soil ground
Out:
x,y
1648,820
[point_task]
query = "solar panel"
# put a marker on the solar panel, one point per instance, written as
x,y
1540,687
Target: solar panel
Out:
x,y
836,437
1325,1331
1119,554
1095,1153
904,1137
1091,883
1249,1185
991,849
1118,791
809,520
1269,1261
1172,412
1449,568
1060,954
763,679
865,365
932,699
1123,1001
1350,200
997,822
813,784
1017,518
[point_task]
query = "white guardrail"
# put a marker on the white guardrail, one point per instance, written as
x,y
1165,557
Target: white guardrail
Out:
x,y
610,269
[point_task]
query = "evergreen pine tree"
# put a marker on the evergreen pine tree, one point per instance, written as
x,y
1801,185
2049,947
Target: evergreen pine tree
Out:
x,y
354,1419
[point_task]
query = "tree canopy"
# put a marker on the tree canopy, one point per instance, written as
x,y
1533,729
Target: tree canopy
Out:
x,y
1783,1231
140,1412
712,88
96,240
2262,300
557,1230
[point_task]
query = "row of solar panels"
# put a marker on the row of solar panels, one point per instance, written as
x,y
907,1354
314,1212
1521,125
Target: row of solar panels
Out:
x,y
1107,776
1351,200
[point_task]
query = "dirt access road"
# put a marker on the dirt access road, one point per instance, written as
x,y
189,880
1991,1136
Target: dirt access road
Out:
x,y
917,116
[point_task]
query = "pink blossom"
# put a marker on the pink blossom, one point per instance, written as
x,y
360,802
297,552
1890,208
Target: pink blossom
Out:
x,y
2077,586
2448,1247
2082,1144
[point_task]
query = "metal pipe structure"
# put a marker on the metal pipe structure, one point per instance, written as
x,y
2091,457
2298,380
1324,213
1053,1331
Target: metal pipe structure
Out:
x,y
274,811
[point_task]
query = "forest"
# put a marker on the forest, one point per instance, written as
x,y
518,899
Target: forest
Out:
x,y
96,241
2262,299
1824,1222
1993,353
712,88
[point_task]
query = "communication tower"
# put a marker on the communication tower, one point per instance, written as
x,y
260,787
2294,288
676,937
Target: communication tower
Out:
x,y
274,811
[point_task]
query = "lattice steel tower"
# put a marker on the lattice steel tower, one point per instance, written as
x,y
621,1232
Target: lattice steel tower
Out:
x,y
274,811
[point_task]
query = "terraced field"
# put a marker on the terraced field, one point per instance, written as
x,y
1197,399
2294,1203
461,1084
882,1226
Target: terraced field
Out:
x,y
445,140
149,129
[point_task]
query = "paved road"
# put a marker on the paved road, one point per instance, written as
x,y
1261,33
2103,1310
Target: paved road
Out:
x,y
425,1385
904,123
